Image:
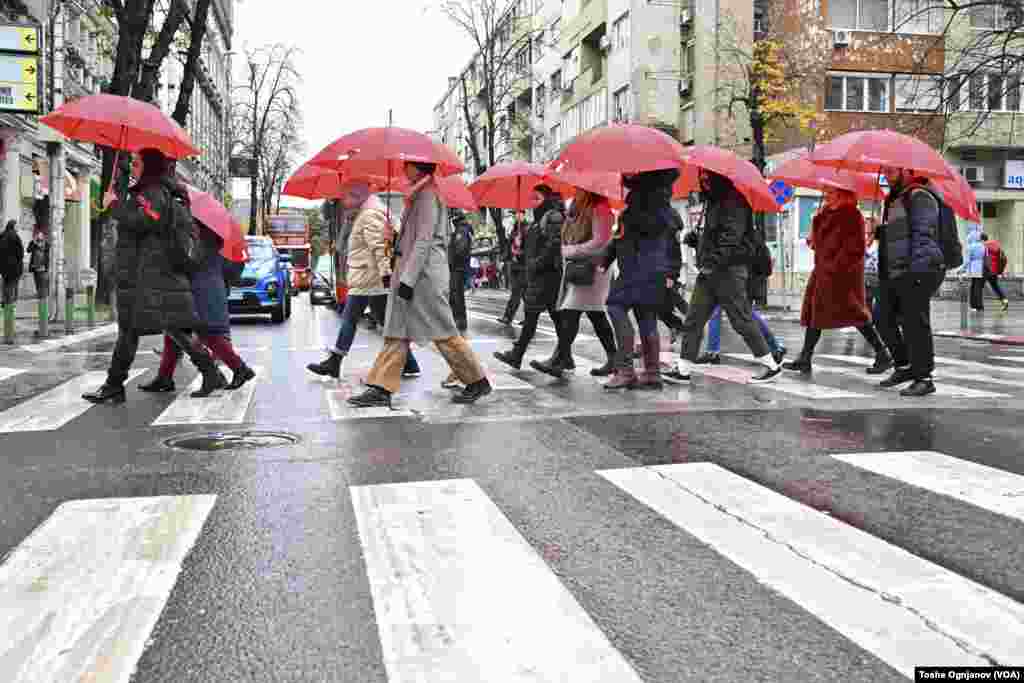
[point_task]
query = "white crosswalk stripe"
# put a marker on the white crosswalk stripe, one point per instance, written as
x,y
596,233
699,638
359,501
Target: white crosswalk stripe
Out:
x,y
1012,359
985,487
80,596
782,384
942,388
903,609
222,407
53,409
7,373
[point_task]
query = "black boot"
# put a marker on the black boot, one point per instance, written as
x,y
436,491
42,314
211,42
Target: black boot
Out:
x,y
114,393
242,375
331,367
801,364
160,385
606,369
554,366
512,357
883,361
473,392
373,397
212,379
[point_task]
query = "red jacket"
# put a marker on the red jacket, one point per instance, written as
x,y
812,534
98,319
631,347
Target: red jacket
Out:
x,y
835,296
992,251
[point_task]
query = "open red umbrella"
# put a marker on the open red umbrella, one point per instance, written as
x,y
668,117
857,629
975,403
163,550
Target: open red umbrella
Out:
x,y
875,151
314,182
743,174
455,194
958,195
509,185
211,213
121,123
383,151
621,149
802,173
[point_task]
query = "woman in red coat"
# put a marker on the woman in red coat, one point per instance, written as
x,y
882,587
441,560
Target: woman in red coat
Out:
x,y
834,297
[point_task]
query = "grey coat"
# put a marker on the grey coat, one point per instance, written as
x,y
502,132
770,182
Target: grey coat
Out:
x,y
423,265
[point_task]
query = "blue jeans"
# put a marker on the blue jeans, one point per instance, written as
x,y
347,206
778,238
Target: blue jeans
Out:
x,y
715,331
355,306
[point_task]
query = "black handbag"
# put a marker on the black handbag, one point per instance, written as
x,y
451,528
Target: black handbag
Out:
x,y
580,271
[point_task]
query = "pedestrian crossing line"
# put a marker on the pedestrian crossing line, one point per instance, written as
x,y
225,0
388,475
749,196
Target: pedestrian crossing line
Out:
x,y
7,373
53,409
985,487
1012,359
440,557
781,384
941,388
901,608
975,365
81,595
222,407
339,409
61,342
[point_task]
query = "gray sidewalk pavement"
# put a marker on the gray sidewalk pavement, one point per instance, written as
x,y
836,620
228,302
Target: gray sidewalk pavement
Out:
x,y
26,323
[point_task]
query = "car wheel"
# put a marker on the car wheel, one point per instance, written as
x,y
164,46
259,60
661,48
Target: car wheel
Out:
x,y
288,308
278,315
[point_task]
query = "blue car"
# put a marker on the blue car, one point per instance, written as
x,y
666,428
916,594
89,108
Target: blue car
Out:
x,y
265,283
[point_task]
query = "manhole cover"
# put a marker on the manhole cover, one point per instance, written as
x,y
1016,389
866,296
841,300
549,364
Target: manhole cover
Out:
x,y
231,441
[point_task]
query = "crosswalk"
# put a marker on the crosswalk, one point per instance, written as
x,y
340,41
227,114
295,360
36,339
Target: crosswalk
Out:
x,y
462,590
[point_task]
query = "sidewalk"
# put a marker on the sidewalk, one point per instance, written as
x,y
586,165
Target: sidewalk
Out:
x,y
26,328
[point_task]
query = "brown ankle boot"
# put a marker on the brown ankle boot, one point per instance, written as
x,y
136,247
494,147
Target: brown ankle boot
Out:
x,y
625,375
650,378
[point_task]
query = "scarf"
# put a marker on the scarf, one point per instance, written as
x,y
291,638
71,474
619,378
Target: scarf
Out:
x,y
414,190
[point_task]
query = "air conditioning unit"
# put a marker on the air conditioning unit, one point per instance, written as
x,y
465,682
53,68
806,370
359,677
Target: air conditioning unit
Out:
x,y
684,85
687,17
974,174
840,38
606,43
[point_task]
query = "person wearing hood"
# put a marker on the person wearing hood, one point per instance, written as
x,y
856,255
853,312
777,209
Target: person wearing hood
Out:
x,y
649,259
974,267
724,256
153,295
12,266
543,255
995,265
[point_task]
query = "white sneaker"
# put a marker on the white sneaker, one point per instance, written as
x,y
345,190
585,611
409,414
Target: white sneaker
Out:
x,y
768,375
677,375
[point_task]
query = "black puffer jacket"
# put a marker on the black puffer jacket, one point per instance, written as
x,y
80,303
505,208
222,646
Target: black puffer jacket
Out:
x,y
542,251
151,297
724,240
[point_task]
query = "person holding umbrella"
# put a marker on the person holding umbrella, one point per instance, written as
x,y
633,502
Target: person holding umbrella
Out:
x,y
418,307
517,271
153,295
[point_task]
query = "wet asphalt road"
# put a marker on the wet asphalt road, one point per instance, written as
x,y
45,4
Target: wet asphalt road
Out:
x,y
276,586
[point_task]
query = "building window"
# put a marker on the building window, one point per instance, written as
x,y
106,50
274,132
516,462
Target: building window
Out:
x,y
540,99
620,33
989,210
857,93
622,105
917,93
863,15
556,137
919,16
556,84
523,60
985,92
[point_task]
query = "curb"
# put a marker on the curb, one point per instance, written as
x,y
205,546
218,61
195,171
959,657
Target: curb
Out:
x,y
1004,339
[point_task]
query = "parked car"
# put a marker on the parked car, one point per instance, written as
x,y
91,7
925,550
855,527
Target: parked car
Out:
x,y
265,285
322,290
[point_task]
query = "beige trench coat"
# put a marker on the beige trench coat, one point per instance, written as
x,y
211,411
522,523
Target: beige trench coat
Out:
x,y
368,260
423,265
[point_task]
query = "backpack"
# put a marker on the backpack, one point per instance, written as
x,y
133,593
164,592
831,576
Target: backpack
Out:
x,y
949,238
995,260
183,249
233,272
761,262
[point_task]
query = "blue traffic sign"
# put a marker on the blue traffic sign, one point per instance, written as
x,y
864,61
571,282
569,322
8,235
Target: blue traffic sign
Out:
x,y
783,191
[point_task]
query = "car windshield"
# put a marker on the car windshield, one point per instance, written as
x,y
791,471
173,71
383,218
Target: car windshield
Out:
x,y
260,251
323,265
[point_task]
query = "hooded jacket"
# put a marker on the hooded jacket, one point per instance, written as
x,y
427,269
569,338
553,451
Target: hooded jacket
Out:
x,y
12,254
542,253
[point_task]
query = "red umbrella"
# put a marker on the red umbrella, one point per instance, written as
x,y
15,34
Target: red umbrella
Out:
x,y
383,151
802,173
509,185
455,194
875,151
121,123
958,195
743,174
621,149
211,213
314,182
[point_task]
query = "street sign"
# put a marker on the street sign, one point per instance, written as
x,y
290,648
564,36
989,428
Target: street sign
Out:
x,y
16,38
783,192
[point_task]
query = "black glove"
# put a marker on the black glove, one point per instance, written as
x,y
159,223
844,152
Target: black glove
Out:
x,y
691,240
387,281
405,291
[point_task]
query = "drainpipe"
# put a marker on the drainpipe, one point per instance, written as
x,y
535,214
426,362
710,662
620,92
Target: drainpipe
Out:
x,y
55,152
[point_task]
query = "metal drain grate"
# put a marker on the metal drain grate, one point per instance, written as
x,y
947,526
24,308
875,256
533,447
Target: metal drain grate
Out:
x,y
232,441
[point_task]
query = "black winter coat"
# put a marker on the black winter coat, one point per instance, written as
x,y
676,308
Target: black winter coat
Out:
x,y
542,251
724,240
12,255
909,241
151,296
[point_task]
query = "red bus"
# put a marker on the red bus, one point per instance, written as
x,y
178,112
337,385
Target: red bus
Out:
x,y
290,233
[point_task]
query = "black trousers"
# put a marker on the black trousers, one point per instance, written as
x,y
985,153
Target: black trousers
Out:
x,y
993,282
569,327
977,296
530,326
728,289
673,302
127,345
905,321
457,299
516,296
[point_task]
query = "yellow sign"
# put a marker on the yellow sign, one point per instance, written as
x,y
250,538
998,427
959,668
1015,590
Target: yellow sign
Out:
x,y
19,97
19,39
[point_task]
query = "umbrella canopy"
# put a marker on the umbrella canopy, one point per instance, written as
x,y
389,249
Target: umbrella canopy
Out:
x,y
509,185
875,151
743,174
959,195
211,213
802,173
314,182
121,123
383,151
455,194
622,149
318,182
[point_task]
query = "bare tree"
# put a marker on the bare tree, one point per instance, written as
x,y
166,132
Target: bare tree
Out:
x,y
267,101
503,40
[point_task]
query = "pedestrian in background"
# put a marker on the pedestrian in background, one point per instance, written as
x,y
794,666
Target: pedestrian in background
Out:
x,y
39,262
12,265
835,294
418,308
872,292
995,266
517,271
974,267
584,289
459,247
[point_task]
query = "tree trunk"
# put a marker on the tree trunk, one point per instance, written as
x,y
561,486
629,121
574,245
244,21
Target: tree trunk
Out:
x,y
145,89
195,47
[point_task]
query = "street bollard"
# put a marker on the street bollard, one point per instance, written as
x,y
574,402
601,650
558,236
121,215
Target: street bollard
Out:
x,y
963,304
90,303
69,310
9,312
43,308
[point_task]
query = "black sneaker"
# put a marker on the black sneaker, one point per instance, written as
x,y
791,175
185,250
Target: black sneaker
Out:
x,y
898,377
473,392
920,387
373,397
410,374
768,375
709,359
673,376
779,355
883,363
